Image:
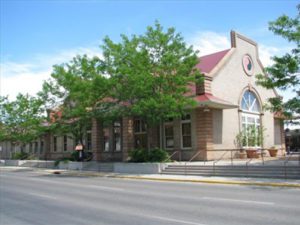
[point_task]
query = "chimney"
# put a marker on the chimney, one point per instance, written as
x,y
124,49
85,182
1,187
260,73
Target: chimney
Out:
x,y
204,87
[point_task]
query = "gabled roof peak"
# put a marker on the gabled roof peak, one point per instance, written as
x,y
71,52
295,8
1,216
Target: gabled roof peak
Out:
x,y
208,62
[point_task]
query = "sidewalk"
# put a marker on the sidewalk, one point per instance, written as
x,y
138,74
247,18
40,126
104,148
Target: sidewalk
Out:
x,y
168,178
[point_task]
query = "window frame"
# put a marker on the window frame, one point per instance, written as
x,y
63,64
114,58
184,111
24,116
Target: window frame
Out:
x,y
169,123
106,140
54,143
41,146
142,125
65,143
89,140
249,112
115,127
186,121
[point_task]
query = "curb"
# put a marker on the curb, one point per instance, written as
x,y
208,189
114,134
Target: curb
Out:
x,y
271,184
109,175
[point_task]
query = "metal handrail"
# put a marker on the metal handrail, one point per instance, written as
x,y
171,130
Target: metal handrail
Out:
x,y
172,156
247,166
262,156
222,156
287,159
194,156
290,156
216,161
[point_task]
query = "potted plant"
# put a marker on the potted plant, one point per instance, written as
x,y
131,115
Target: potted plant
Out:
x,y
240,141
273,151
250,139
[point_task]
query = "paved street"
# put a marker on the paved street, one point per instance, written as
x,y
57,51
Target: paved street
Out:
x,y
38,198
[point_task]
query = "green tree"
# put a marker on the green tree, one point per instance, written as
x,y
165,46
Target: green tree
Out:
x,y
151,74
285,72
72,95
22,120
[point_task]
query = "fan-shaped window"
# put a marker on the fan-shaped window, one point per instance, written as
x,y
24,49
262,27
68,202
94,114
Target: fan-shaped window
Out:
x,y
250,102
251,121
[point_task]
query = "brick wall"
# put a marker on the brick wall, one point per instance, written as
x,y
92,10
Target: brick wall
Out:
x,y
204,87
127,136
97,139
204,131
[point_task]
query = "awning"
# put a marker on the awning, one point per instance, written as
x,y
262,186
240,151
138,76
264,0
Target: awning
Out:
x,y
210,101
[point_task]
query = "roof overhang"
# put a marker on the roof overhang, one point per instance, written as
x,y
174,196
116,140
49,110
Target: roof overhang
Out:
x,y
210,101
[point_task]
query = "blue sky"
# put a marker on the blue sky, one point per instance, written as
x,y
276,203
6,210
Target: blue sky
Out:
x,y
37,34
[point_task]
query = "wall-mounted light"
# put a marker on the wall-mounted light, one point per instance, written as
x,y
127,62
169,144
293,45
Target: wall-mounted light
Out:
x,y
206,110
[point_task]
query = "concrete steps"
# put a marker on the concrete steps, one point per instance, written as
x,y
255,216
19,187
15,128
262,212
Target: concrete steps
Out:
x,y
290,172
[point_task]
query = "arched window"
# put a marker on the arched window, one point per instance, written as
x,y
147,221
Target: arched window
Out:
x,y
250,102
251,122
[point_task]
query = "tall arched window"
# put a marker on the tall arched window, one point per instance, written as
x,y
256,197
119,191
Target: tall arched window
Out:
x,y
251,124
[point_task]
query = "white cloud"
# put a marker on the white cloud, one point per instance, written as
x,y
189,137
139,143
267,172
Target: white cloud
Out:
x,y
208,42
27,77
267,52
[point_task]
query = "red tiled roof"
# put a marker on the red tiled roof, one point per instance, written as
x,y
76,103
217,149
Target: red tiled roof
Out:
x,y
208,62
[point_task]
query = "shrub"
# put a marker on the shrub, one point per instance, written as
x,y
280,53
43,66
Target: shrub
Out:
x,y
158,155
20,155
56,162
143,155
74,156
64,160
138,155
32,157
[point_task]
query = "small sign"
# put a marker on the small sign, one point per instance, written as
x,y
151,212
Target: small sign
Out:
x,y
79,147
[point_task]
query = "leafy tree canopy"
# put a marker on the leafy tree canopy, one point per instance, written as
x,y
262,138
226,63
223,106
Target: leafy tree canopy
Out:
x,y
285,72
22,120
72,93
150,73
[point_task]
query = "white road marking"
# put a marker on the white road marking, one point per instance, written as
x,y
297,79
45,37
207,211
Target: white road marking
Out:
x,y
237,200
176,221
41,195
104,187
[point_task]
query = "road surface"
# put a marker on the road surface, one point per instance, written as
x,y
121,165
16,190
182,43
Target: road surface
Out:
x,y
39,198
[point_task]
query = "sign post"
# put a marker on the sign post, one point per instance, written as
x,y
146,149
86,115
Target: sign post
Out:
x,y
79,148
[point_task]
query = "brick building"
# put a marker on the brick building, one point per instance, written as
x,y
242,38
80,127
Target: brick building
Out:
x,y
227,102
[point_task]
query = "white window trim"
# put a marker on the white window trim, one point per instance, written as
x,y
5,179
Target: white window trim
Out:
x,y
181,136
108,139
246,114
164,135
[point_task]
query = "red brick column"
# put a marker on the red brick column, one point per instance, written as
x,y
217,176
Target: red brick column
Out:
x,y
204,131
97,139
127,136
